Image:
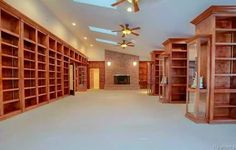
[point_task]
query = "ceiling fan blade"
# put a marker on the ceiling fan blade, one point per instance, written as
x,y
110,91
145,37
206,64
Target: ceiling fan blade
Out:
x,y
136,7
122,26
117,3
131,45
136,34
137,28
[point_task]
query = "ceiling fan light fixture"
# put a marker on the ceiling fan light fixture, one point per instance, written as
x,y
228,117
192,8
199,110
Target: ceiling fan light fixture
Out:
x,y
126,32
124,45
130,1
129,9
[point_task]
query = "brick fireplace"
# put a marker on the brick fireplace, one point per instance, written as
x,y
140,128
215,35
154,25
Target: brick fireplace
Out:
x,y
122,74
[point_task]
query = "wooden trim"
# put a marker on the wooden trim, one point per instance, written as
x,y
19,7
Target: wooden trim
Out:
x,y
21,58
221,9
1,84
175,41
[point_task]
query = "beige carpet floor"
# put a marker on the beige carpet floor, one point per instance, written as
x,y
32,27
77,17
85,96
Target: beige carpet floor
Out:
x,y
112,120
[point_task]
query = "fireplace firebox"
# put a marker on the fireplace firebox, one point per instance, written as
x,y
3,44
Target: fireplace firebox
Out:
x,y
122,79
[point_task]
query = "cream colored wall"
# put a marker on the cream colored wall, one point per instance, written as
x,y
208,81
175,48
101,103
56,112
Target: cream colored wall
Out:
x,y
95,54
98,54
36,10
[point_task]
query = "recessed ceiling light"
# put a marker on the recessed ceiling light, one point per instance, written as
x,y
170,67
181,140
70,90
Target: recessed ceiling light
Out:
x,y
91,45
73,24
85,38
129,9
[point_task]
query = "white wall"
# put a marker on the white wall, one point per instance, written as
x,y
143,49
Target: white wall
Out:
x,y
36,10
95,54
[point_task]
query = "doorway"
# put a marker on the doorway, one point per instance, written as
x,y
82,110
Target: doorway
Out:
x,y
72,86
94,78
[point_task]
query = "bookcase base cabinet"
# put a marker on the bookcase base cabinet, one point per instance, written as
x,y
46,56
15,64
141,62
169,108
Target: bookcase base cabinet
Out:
x,y
212,66
34,64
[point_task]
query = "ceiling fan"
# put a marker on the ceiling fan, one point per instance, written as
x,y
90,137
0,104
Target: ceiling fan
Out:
x,y
126,30
134,2
124,44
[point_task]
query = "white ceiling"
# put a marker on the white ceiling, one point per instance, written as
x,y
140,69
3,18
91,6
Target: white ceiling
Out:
x,y
159,20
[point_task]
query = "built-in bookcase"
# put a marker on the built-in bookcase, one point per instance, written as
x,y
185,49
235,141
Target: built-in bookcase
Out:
x,y
224,62
59,70
30,66
34,64
154,74
220,23
76,77
42,67
10,102
52,69
176,75
66,70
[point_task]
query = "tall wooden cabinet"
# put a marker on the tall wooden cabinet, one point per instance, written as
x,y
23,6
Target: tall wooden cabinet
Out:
x,y
154,73
34,64
174,79
143,74
220,23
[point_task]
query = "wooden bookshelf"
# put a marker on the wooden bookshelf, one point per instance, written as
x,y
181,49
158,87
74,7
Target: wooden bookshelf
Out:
x,y
52,69
42,61
76,75
220,23
175,70
30,66
10,100
34,68
66,71
154,73
59,71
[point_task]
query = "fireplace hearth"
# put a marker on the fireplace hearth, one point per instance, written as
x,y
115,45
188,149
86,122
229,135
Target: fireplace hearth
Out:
x,y
122,79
